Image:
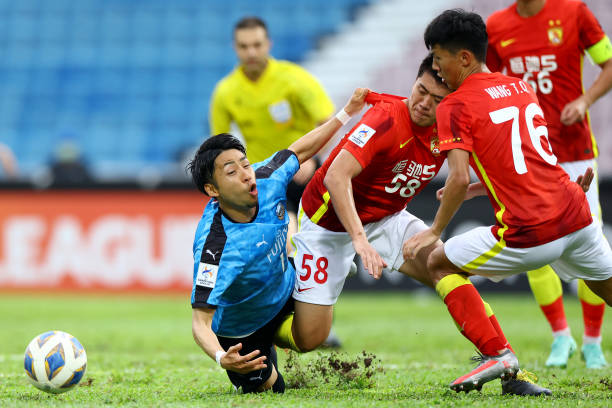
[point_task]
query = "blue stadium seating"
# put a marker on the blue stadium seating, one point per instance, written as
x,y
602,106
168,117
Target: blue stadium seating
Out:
x,y
129,81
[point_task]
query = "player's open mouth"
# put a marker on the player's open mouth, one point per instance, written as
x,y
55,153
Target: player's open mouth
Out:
x,y
253,189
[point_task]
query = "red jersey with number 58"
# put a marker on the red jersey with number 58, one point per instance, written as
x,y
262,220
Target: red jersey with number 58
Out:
x,y
498,120
398,159
546,51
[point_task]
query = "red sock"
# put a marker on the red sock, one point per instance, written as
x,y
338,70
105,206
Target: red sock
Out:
x,y
593,318
555,314
499,331
466,307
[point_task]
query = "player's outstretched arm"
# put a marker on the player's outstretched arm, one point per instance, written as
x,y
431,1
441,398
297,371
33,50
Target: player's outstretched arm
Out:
x,y
231,359
309,144
338,182
455,189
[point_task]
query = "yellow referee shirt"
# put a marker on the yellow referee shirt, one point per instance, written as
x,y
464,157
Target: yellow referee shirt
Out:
x,y
285,103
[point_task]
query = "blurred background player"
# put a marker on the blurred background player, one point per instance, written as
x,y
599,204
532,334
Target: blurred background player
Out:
x,y
8,163
240,240
543,43
273,103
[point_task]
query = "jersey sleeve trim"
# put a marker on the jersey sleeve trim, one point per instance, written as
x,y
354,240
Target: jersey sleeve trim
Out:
x,y
601,51
277,161
205,278
204,293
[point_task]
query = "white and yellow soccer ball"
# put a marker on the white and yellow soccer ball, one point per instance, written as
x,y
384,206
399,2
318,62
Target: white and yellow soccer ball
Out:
x,y
55,362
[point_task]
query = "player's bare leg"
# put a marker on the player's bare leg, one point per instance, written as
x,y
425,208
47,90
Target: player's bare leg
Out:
x,y
417,268
602,288
311,324
270,381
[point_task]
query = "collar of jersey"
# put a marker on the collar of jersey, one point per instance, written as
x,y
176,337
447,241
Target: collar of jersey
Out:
x,y
236,222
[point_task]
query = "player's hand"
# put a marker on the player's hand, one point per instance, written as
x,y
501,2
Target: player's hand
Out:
x,y
472,191
584,180
233,361
371,260
357,101
421,240
574,111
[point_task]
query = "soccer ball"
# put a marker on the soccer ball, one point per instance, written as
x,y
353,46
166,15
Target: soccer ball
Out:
x,y
55,362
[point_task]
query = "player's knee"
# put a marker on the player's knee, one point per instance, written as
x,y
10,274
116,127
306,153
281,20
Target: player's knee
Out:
x,y
603,289
310,342
311,337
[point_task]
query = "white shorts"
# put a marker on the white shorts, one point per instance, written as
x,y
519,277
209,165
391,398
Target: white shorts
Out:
x,y
577,168
323,258
584,254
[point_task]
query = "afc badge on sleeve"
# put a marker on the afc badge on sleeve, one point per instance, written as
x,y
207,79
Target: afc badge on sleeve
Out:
x,y
361,135
207,275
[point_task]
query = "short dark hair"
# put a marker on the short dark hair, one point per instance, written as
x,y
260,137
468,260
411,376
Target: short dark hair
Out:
x,y
427,66
250,22
202,167
458,29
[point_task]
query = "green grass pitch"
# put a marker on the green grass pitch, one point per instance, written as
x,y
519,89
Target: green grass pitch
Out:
x,y
141,353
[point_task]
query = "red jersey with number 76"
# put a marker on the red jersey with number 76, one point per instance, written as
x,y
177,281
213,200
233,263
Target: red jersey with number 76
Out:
x,y
398,159
498,120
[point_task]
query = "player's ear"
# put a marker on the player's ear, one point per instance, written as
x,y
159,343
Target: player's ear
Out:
x,y
211,190
466,58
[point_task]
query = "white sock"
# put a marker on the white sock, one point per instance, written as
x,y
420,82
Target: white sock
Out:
x,y
591,340
564,332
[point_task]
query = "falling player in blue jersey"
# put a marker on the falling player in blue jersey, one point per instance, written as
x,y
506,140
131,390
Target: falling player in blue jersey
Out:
x,y
242,280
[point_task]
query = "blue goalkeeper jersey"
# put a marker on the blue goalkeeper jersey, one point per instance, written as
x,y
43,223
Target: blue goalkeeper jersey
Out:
x,y
241,269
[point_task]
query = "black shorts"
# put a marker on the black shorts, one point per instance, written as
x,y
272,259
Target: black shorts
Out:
x,y
262,340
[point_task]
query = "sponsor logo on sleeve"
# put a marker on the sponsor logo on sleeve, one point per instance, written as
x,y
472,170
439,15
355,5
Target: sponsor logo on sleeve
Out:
x,y
361,135
207,275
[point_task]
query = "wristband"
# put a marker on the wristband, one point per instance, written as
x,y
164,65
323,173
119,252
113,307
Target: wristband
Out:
x,y
219,355
343,117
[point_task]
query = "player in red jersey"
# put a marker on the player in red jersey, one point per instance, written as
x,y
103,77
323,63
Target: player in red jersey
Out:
x,y
543,43
494,123
354,204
